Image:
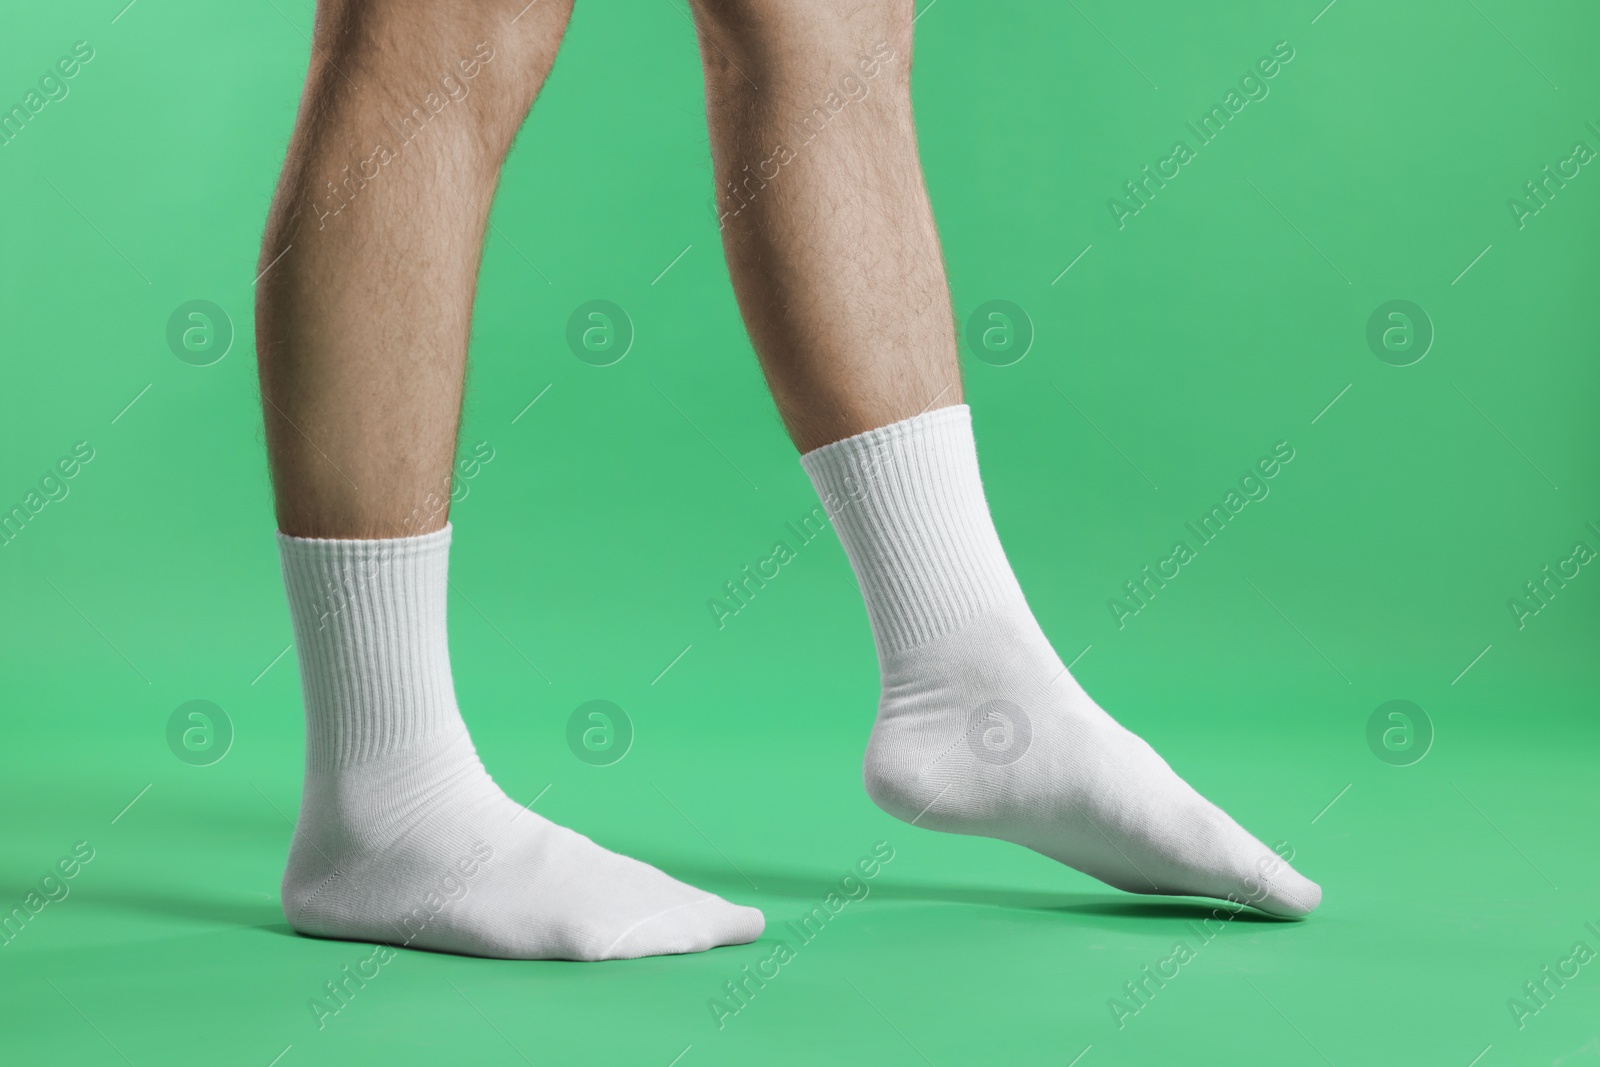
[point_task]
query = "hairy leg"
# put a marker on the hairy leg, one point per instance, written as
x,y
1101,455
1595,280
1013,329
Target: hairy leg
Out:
x,y
369,264
826,224
835,260
370,256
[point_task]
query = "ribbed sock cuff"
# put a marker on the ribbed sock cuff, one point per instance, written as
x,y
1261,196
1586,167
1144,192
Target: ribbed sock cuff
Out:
x,y
369,628
908,504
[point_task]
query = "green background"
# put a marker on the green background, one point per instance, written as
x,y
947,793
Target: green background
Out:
x,y
1224,317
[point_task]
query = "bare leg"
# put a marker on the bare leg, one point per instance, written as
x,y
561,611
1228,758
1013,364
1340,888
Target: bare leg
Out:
x,y
834,256
362,324
370,259
826,223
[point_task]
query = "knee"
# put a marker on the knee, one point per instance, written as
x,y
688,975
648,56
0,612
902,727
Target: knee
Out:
x,y
486,60
804,46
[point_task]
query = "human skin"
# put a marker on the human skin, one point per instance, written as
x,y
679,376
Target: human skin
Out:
x,y
826,224
365,304
370,262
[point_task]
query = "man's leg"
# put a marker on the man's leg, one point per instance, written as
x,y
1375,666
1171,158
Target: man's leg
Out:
x,y
836,263
370,260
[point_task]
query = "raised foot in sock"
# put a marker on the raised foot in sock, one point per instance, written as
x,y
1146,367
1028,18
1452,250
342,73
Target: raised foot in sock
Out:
x,y
983,731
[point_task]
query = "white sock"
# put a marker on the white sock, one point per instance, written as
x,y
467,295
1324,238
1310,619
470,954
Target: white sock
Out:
x,y
403,837
981,729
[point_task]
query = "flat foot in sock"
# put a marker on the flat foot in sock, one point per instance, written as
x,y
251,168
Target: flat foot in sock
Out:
x,y
403,837
981,729
423,850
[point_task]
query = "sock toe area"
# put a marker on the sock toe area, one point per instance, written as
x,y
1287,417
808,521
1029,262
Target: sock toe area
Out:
x,y
699,925
1290,895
